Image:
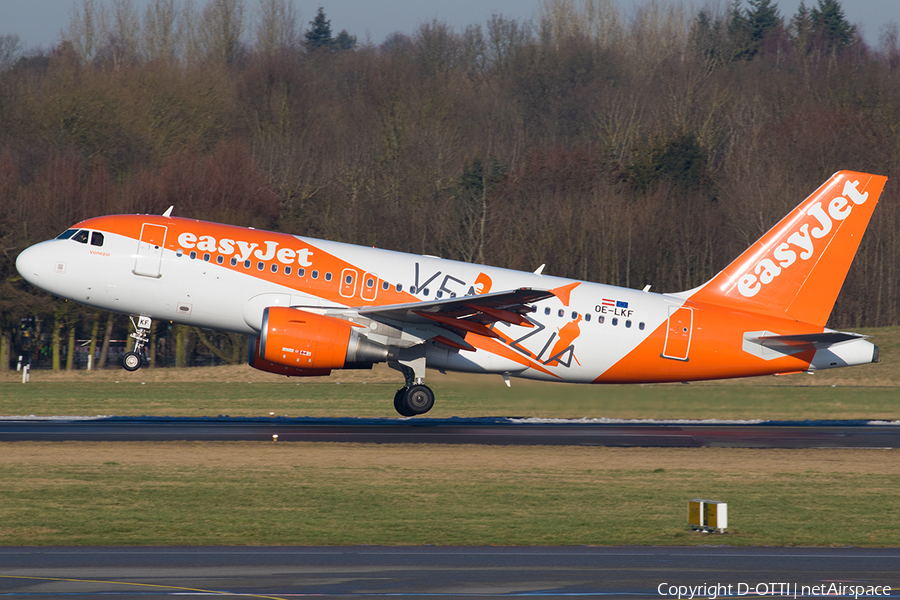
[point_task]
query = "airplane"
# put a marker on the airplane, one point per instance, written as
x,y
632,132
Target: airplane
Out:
x,y
312,306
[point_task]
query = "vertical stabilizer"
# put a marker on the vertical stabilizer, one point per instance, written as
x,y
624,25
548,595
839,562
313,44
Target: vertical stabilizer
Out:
x,y
796,270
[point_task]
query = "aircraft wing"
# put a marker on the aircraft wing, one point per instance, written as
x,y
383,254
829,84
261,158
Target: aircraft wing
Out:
x,y
808,340
464,313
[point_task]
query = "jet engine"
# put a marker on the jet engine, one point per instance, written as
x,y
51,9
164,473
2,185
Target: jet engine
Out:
x,y
301,343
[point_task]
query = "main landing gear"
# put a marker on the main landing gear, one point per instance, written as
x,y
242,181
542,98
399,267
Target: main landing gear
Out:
x,y
133,360
415,398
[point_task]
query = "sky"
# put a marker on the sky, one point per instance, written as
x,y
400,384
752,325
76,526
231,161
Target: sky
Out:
x,y
38,22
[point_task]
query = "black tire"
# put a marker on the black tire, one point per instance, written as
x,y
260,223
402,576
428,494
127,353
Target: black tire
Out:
x,y
132,361
418,400
400,402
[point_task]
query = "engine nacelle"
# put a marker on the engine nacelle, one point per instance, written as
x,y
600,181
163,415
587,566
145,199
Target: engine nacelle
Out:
x,y
309,341
257,362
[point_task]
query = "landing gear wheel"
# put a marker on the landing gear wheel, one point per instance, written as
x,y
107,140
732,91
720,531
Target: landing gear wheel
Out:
x,y
419,399
400,402
132,361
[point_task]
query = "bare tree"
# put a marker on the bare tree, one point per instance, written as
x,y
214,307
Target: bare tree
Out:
x,y
220,29
87,30
277,27
160,34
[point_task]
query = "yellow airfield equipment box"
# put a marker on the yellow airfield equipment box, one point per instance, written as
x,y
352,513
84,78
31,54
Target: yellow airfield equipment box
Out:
x,y
707,515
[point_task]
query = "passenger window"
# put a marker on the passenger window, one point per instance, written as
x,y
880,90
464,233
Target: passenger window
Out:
x,y
220,259
547,310
179,253
96,239
641,325
601,319
315,274
66,234
425,291
287,270
274,268
399,287
561,312
574,315
370,283
615,321
385,285
328,276
81,237
628,324
233,261
206,256
193,254
301,272
247,264
587,316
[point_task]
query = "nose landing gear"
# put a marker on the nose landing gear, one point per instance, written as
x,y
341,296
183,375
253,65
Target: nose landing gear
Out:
x,y
133,360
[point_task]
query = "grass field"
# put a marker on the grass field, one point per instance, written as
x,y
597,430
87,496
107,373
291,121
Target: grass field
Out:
x,y
279,493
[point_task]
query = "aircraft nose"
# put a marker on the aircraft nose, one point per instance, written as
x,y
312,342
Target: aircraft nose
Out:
x,y
28,263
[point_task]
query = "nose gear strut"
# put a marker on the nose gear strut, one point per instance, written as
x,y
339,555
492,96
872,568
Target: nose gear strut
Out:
x,y
133,360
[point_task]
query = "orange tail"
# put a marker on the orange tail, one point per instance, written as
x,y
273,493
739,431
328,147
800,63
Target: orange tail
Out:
x,y
798,267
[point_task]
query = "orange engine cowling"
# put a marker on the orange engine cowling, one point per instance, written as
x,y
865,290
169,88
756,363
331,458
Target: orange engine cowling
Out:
x,y
311,342
258,362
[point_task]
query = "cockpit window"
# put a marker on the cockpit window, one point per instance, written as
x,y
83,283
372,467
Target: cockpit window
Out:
x,y
96,239
66,234
81,237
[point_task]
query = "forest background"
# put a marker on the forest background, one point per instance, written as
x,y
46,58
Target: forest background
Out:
x,y
644,149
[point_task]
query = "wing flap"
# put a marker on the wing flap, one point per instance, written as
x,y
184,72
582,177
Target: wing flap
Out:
x,y
465,314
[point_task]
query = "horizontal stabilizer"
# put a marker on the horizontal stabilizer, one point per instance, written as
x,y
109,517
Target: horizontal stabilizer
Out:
x,y
808,340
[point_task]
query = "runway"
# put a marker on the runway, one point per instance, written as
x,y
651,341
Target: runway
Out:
x,y
486,431
446,572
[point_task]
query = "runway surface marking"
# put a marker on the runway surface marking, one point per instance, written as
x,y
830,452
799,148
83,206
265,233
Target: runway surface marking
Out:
x,y
110,582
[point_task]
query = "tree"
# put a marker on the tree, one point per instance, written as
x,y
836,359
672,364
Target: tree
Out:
x,y
472,207
345,41
707,39
830,25
159,35
277,29
763,19
800,28
10,50
749,28
221,27
319,34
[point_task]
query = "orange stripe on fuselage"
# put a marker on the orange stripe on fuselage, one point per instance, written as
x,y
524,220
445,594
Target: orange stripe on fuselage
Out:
x,y
223,240
716,350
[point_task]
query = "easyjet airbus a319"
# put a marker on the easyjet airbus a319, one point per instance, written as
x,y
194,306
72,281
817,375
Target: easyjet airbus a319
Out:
x,y
312,306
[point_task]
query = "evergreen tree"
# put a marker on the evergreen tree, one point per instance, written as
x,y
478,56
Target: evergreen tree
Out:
x,y
707,39
762,19
830,25
748,28
319,34
800,27
345,41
